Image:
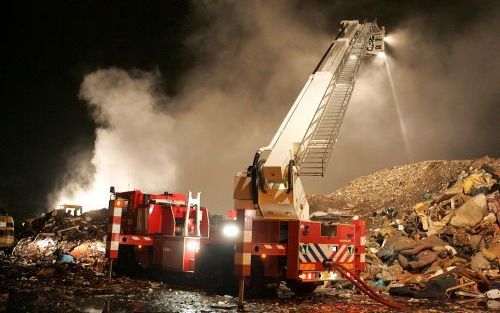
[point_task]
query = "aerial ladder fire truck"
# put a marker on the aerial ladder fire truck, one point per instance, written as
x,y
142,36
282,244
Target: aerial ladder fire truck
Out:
x,y
270,238
269,198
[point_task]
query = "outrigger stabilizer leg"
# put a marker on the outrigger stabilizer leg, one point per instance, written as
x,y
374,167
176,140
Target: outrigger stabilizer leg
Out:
x,y
241,292
110,268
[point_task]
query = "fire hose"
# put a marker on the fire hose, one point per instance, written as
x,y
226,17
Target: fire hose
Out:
x,y
365,288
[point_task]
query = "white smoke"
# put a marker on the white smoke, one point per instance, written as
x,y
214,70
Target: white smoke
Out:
x,y
131,148
252,61
255,59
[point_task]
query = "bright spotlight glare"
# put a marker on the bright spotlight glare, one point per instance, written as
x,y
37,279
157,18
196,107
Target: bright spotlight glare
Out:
x,y
193,245
333,275
230,230
388,39
381,54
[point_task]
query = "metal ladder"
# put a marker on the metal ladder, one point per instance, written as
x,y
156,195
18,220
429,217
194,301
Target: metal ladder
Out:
x,y
316,146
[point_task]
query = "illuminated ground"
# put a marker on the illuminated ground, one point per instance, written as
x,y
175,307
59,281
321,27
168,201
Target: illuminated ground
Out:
x,y
76,290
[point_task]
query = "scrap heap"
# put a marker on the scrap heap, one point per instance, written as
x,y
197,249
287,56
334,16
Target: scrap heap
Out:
x,y
448,243
58,236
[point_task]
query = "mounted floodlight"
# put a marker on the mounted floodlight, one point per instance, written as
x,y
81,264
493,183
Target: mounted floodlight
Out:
x,y
193,245
230,230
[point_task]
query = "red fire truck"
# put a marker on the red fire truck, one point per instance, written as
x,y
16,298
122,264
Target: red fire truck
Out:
x,y
170,232
269,238
156,230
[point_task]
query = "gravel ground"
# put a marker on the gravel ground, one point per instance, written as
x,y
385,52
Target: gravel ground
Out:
x,y
80,291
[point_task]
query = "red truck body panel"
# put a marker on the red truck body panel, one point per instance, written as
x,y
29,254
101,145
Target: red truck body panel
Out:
x,y
155,225
163,232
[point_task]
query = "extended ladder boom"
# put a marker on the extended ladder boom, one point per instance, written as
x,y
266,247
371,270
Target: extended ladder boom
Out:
x,y
314,150
304,140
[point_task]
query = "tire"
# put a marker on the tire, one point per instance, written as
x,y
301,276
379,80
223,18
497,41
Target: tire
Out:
x,y
215,273
260,286
214,269
127,264
301,288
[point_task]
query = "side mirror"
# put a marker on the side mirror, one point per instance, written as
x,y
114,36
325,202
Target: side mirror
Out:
x,y
305,232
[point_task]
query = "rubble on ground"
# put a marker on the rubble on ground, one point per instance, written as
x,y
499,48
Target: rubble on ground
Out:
x,y
65,287
399,187
60,237
447,243
89,225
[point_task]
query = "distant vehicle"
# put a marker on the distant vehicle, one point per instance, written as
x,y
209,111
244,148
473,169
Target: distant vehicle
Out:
x,y
73,209
6,230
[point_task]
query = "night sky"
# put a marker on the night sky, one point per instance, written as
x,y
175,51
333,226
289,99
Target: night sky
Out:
x,y
50,46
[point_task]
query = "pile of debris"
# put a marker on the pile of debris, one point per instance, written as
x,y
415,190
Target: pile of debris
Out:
x,y
458,225
60,237
448,243
89,225
398,187
47,248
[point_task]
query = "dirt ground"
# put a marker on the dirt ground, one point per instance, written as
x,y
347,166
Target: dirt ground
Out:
x,y
28,289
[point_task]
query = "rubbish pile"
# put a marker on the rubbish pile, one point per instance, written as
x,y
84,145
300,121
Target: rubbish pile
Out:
x,y
89,225
60,237
398,187
447,244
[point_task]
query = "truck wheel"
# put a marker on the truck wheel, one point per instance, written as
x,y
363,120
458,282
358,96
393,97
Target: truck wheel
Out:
x,y
214,269
127,263
260,286
301,288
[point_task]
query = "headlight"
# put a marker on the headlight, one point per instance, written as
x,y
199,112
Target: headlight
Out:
x,y
230,230
193,245
333,275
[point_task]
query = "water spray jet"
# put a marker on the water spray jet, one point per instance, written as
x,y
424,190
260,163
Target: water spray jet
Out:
x,y
395,98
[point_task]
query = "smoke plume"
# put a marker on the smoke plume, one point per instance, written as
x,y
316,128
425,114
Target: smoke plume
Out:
x,y
131,148
253,59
